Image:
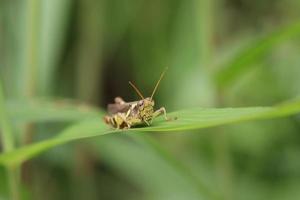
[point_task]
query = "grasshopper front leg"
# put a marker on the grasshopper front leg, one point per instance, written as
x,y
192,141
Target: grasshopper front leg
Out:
x,y
159,112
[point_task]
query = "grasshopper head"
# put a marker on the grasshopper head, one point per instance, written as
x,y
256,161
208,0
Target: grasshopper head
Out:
x,y
146,109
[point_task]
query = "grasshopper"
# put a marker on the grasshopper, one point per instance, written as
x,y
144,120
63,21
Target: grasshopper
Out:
x,y
123,115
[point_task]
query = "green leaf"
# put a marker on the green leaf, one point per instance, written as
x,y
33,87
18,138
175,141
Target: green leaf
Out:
x,y
53,28
147,160
240,62
8,140
190,119
43,110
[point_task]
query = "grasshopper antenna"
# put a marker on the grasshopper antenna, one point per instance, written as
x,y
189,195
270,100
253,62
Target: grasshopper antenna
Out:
x,y
137,90
156,86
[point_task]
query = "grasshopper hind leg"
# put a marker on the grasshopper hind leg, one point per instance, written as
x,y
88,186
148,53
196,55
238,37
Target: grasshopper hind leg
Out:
x,y
121,121
117,121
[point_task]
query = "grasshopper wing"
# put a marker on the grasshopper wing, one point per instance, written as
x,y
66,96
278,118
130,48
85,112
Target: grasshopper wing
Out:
x,y
116,108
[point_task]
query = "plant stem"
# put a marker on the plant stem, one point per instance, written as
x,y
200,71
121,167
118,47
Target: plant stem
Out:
x,y
31,62
220,142
89,51
31,44
205,11
8,145
14,182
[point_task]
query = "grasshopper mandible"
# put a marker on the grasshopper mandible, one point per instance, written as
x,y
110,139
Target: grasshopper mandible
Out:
x,y
123,115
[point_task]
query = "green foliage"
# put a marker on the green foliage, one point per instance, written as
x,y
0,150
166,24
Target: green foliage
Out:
x,y
190,119
251,54
89,50
40,110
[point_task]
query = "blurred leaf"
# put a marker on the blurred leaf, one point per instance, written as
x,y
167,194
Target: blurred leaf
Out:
x,y
27,73
8,142
190,119
52,31
45,111
150,167
89,50
253,53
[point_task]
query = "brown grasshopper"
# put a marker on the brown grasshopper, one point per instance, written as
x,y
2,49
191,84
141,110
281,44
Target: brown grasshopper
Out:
x,y
124,115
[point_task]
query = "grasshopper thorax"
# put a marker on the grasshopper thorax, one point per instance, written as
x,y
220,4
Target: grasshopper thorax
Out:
x,y
146,109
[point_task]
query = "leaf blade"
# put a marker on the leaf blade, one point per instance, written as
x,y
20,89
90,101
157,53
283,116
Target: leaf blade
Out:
x,y
240,62
190,119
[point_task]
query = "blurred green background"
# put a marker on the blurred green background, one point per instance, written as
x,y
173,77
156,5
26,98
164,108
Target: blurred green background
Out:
x,y
220,53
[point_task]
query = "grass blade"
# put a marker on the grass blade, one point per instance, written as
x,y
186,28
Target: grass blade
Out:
x,y
39,110
190,119
252,53
54,17
145,159
8,145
